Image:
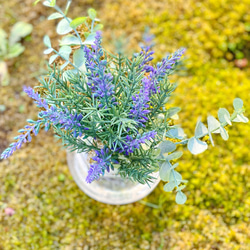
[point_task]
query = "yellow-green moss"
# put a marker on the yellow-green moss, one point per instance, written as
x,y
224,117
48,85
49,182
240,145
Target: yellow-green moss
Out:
x,y
52,213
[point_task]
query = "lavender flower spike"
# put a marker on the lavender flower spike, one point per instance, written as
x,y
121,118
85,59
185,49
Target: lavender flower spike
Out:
x,y
31,93
103,162
22,138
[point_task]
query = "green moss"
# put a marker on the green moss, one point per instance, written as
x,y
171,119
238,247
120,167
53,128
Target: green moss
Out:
x,y
51,212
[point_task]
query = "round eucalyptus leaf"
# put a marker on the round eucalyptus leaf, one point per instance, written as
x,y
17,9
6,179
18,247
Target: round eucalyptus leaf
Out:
x,y
46,41
224,133
52,58
70,40
48,51
167,147
79,57
175,155
213,125
65,52
90,39
165,171
92,13
238,104
180,198
18,31
196,146
224,116
169,187
55,15
241,118
200,130
63,27
77,21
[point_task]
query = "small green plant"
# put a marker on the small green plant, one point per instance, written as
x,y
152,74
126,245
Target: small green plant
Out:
x,y
10,48
115,106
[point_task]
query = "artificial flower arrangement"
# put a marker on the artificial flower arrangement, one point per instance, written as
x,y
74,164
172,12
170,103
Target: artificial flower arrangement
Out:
x,y
115,106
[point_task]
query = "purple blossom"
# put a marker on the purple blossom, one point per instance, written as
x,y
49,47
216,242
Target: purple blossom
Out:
x,y
64,119
99,81
24,137
41,103
103,162
150,84
133,144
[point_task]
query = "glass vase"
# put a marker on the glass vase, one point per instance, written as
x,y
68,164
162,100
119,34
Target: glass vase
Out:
x,y
110,188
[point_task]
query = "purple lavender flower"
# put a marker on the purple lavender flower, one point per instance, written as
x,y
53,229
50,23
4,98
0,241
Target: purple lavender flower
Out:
x,y
150,84
99,81
133,144
64,119
22,138
103,162
41,103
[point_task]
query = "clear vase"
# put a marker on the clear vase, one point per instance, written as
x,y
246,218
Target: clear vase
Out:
x,y
110,188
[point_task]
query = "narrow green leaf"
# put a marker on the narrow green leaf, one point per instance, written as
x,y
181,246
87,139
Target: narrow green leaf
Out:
x,y
173,111
48,51
78,57
77,21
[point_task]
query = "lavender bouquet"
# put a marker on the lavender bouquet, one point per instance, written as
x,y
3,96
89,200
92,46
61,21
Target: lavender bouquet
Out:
x,y
114,106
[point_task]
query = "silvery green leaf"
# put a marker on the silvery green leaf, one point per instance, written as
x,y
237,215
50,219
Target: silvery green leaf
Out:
x,y
49,3
173,111
63,27
167,147
98,27
200,130
180,198
65,52
169,186
18,31
52,58
64,65
176,133
90,39
211,138
179,188
15,50
92,13
224,133
79,57
3,42
224,116
70,40
196,146
238,104
55,15
213,125
46,41
175,176
241,118
165,171
48,51
175,155
77,21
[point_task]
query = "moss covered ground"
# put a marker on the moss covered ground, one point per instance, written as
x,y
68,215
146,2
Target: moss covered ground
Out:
x,y
50,210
